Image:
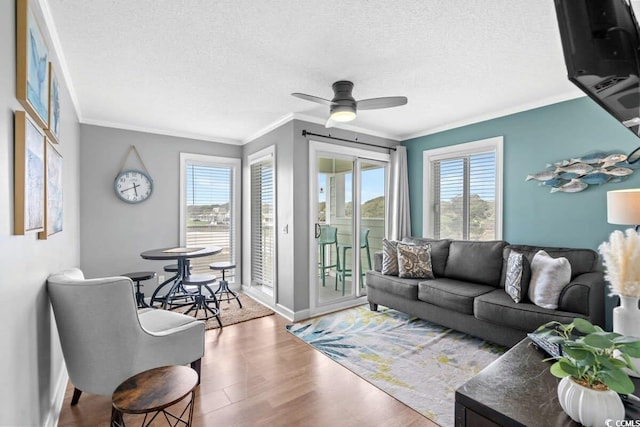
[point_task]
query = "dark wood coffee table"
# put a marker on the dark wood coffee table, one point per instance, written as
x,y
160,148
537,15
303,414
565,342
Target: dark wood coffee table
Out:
x,y
152,393
517,390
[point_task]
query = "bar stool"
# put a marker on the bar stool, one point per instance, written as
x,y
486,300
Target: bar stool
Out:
x,y
173,268
138,277
182,294
201,301
223,290
345,272
328,236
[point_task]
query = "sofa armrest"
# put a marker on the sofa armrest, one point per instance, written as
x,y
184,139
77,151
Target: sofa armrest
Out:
x,y
377,261
585,295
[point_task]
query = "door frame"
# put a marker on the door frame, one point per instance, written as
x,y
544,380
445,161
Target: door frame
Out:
x,y
317,148
247,287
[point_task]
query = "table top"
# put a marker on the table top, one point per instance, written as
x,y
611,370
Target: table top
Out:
x,y
518,389
177,252
154,389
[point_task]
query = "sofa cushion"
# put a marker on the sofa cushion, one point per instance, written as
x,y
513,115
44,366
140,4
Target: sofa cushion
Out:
x,y
581,260
163,320
498,307
439,252
414,261
406,288
477,262
451,294
389,257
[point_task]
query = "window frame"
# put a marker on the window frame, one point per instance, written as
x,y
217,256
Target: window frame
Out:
x,y
261,155
215,161
494,144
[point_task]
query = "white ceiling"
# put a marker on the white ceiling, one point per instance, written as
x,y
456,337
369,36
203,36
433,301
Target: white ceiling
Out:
x,y
224,70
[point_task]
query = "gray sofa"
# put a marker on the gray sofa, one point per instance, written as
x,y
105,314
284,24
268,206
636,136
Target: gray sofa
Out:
x,y
468,293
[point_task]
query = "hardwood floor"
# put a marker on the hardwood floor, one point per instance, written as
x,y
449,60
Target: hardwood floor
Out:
x,y
257,374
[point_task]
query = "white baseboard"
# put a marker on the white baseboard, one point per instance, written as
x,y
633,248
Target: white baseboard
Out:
x,y
292,316
58,398
296,316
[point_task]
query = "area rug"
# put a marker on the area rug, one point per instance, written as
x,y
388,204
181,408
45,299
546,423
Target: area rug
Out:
x,y
231,313
418,362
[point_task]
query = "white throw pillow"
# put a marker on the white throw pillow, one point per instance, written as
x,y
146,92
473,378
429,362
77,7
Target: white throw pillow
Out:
x,y
549,276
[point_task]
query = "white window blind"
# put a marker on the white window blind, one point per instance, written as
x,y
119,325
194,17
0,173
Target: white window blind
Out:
x,y
210,217
464,196
262,223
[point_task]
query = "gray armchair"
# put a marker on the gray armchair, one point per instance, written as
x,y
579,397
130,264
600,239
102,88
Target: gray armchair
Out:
x,y
105,339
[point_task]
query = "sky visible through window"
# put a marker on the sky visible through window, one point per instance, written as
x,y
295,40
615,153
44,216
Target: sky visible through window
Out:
x,y
372,185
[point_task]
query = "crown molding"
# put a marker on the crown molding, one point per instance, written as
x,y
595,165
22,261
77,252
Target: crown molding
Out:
x,y
265,130
317,120
162,132
50,26
497,114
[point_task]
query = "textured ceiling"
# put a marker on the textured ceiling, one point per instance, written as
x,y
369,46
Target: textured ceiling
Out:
x,y
224,70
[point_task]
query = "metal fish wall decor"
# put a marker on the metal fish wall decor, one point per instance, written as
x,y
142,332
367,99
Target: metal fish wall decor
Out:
x,y
577,174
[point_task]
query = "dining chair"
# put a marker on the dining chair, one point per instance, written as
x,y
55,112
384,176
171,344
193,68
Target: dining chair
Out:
x,y
345,272
328,236
105,339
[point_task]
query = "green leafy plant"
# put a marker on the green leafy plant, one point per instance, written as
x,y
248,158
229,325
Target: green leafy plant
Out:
x,y
596,359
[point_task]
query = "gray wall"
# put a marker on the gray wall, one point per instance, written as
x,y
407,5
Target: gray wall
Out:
x,y
292,193
32,367
114,232
281,137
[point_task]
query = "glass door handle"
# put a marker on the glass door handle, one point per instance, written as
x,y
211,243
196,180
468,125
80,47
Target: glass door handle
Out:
x,y
317,234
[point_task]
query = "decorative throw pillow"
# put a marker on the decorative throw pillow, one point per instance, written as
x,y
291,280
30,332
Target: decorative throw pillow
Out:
x,y
549,276
389,257
414,261
514,277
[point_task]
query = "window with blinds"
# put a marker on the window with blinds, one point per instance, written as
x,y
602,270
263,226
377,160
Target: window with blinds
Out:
x,y
464,191
262,223
208,214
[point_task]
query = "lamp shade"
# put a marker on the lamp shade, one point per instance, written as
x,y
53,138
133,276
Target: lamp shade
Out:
x,y
623,207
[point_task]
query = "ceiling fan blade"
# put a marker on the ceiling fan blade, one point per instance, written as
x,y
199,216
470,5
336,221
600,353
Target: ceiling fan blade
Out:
x,y
386,102
330,123
312,98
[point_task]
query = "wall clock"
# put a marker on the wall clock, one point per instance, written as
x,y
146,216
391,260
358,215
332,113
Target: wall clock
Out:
x,y
133,186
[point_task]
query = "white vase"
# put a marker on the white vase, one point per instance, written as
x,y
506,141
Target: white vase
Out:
x,y
626,321
589,407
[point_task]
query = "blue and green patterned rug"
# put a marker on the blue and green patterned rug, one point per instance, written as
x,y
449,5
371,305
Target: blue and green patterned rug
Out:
x,y
418,362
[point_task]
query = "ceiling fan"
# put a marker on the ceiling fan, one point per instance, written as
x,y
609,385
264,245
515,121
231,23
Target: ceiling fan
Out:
x,y
343,106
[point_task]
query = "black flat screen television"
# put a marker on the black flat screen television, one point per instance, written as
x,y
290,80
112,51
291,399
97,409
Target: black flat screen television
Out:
x,y
600,40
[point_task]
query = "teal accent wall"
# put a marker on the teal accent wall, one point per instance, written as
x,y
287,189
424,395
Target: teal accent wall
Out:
x,y
533,138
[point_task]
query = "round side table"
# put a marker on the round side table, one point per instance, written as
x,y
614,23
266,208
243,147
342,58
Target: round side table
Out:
x,y
152,393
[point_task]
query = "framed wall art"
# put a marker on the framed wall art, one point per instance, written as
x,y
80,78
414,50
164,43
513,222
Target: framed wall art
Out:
x,y
53,191
32,65
53,131
29,175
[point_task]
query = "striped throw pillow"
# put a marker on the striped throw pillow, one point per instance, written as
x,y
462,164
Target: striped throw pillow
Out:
x,y
389,257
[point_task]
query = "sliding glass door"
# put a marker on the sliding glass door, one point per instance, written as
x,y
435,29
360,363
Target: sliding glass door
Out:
x,y
334,226
348,189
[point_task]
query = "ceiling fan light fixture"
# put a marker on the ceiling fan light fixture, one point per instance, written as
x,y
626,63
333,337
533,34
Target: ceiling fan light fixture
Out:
x,y
342,113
